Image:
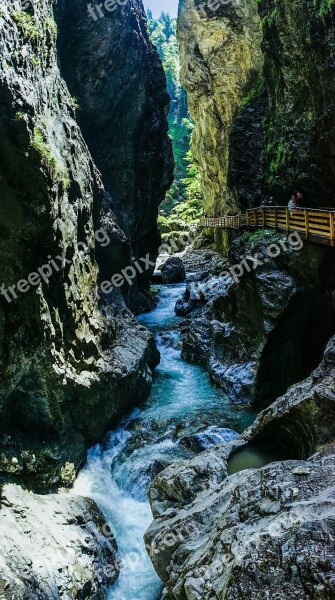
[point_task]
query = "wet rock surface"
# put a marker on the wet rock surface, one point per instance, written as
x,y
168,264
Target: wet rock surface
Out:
x,y
221,63
173,271
114,71
53,547
260,532
299,136
211,436
263,326
69,368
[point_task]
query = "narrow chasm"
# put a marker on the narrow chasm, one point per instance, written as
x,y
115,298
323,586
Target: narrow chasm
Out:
x,y
167,303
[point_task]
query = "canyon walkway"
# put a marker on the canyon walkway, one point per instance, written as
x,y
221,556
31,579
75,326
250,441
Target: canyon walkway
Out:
x,y
315,225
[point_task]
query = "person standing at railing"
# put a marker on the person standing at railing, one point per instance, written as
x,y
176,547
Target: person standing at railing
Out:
x,y
292,205
272,202
300,198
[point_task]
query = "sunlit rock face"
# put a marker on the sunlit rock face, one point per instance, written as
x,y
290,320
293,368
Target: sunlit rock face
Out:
x,y
261,87
68,368
54,546
266,329
221,64
299,149
115,73
259,532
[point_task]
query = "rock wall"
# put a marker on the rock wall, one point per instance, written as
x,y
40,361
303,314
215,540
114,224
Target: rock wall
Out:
x,y
261,92
115,73
221,64
299,148
68,368
265,325
54,546
257,533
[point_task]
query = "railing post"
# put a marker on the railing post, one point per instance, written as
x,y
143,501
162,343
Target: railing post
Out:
x,y
287,219
332,231
306,222
263,214
276,218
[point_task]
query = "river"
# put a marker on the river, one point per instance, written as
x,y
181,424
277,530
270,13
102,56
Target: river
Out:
x,y
119,471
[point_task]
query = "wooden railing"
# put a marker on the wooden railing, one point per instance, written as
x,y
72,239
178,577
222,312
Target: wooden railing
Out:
x,y
227,222
315,225
311,223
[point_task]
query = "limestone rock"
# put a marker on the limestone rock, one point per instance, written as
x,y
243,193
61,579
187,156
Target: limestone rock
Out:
x,y
263,103
222,63
173,270
197,442
114,71
263,325
260,533
300,129
54,546
264,533
69,366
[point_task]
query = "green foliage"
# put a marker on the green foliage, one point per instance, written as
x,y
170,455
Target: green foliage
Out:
x,y
28,24
269,20
282,154
31,28
192,181
41,33
74,102
39,143
163,33
51,25
154,290
254,92
35,61
188,211
20,115
323,6
186,187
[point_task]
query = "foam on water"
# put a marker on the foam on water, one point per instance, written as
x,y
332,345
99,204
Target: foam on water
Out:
x,y
118,471
127,514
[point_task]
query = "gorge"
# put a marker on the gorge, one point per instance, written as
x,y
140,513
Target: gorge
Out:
x,y
186,452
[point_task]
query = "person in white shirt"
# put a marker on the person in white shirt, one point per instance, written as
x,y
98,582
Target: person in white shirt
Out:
x,y
293,202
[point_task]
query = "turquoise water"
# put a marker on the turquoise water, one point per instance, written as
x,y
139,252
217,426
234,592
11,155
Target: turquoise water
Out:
x,y
119,471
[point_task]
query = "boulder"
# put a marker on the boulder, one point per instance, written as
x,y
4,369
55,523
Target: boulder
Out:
x,y
261,331
197,442
261,532
173,270
265,533
54,546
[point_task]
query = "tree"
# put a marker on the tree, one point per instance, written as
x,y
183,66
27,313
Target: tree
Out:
x,y
163,34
